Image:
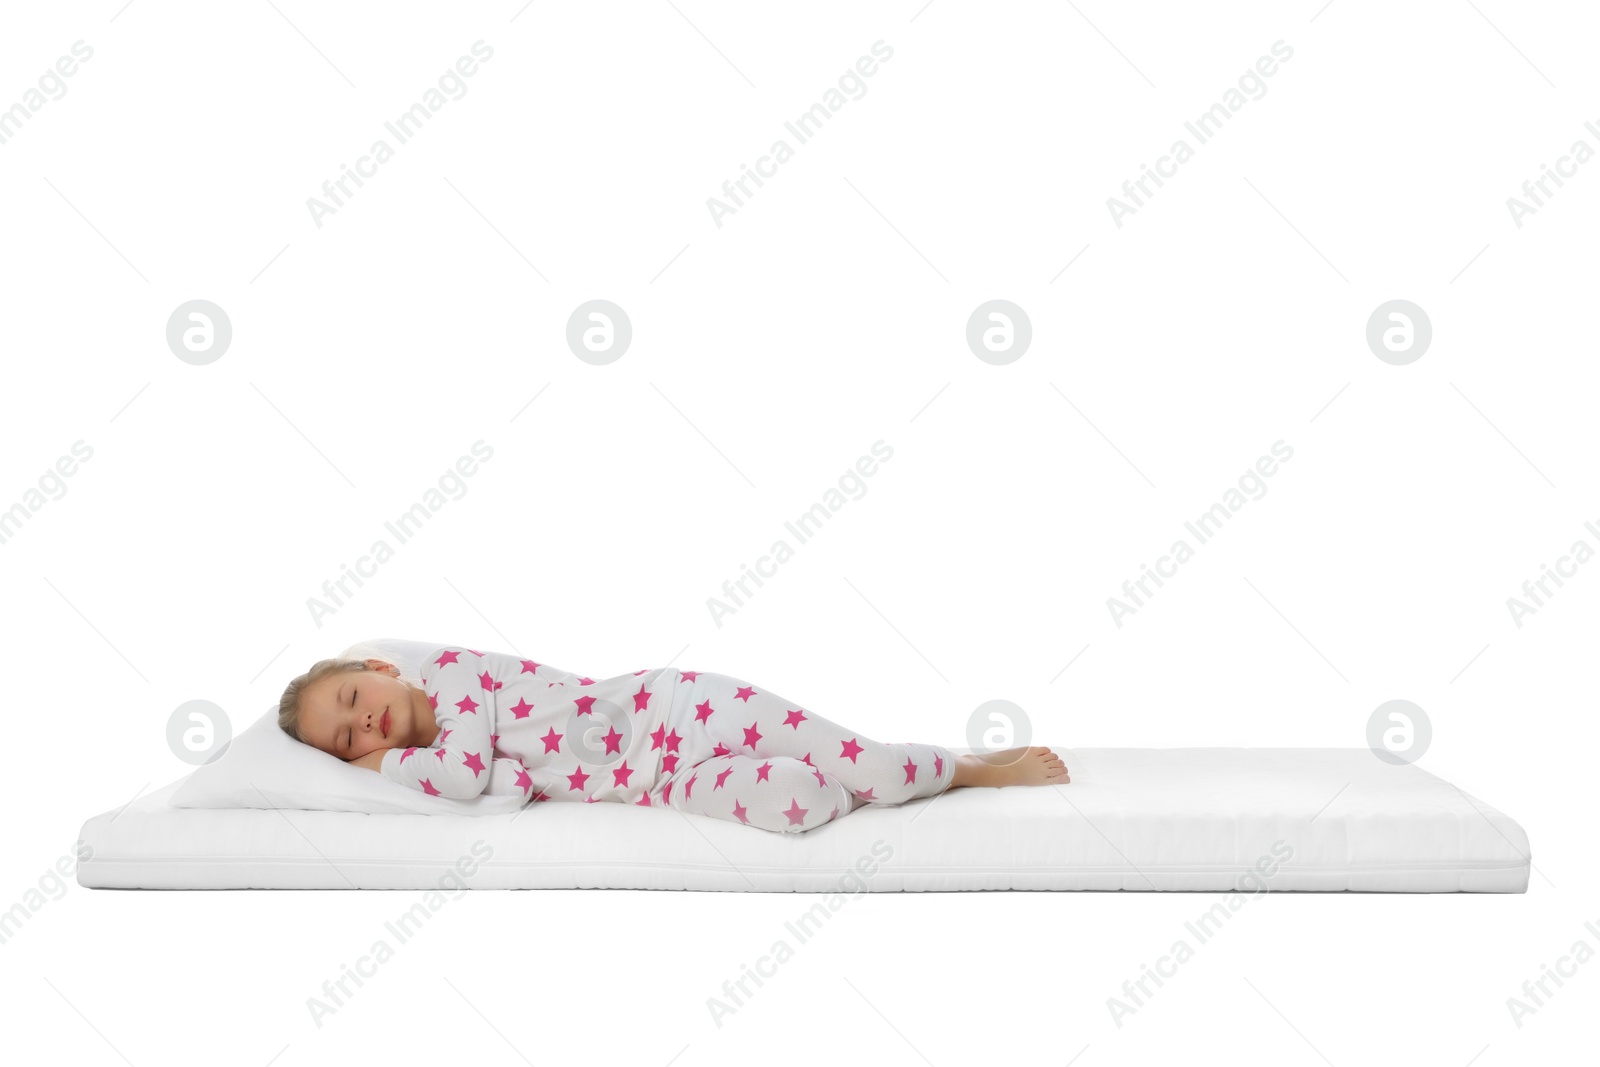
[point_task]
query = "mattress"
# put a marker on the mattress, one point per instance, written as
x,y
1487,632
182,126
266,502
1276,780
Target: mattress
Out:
x,y
1209,819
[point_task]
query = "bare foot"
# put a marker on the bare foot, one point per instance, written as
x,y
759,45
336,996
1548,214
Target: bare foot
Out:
x,y
1034,765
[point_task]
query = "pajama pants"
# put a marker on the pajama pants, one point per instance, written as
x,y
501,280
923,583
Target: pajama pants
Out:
x,y
737,752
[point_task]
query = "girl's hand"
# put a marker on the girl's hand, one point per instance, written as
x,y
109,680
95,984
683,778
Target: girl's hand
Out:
x,y
372,760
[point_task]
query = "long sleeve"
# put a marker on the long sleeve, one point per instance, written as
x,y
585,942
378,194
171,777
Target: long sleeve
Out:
x,y
508,775
461,689
552,675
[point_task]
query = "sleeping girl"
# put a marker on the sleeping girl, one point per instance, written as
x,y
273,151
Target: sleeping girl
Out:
x,y
703,743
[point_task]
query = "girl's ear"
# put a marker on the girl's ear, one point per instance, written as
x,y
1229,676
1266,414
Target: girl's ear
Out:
x,y
385,667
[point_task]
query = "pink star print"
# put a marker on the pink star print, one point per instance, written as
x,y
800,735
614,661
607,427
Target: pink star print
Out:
x,y
688,676
911,772
834,814
585,705
823,782
938,766
865,794
526,782
529,667
577,778
722,779
666,794
672,741
739,810
669,763
467,704
797,814
612,737
744,693
851,750
406,753
552,741
433,702
427,787
521,708
641,699
762,772
703,711
751,735
793,718
475,652
475,761
688,787
447,657
486,680
444,734
620,775
658,738
643,801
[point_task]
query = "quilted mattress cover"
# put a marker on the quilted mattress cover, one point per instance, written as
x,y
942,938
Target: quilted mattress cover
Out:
x,y
1208,819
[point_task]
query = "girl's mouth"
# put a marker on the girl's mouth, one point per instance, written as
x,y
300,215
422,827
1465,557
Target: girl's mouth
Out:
x,y
383,724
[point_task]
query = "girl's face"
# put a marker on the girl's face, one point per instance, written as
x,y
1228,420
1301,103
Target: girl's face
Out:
x,y
351,713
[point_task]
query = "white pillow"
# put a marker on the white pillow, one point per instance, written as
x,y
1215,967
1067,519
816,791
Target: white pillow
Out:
x,y
263,767
403,653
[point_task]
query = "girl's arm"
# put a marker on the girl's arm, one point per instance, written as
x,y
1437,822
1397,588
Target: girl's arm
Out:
x,y
509,665
461,688
546,673
508,775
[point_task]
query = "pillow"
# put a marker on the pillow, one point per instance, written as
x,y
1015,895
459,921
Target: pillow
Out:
x,y
406,654
263,767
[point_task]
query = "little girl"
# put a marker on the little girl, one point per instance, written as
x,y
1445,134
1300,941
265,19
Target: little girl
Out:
x,y
699,742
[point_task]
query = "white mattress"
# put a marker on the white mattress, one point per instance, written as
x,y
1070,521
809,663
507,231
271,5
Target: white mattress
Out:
x,y
1132,819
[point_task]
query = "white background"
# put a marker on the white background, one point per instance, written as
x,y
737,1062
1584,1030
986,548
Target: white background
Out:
x,y
769,354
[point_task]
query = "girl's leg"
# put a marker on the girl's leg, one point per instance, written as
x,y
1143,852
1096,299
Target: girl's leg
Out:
x,y
726,716
771,792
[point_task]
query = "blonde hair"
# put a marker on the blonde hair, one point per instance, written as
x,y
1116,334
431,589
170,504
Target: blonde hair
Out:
x,y
352,659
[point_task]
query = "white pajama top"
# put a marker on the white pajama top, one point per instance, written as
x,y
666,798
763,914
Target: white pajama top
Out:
x,y
510,725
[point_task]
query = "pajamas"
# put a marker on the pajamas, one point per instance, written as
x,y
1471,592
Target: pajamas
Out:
x,y
738,752
702,743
